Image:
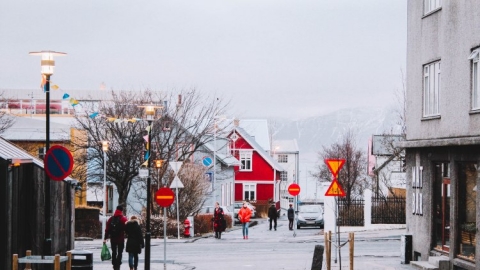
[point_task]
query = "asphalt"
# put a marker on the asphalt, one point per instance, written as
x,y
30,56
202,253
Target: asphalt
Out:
x,y
371,263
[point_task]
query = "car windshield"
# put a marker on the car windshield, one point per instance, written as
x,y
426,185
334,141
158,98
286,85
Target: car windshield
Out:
x,y
310,209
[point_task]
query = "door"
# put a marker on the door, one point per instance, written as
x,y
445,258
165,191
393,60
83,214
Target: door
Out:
x,y
442,207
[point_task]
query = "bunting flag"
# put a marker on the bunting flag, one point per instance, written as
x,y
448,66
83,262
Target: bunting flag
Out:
x,y
145,164
66,96
73,102
93,115
55,87
146,156
43,83
145,138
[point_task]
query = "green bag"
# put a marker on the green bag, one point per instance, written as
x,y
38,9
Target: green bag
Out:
x,y
105,255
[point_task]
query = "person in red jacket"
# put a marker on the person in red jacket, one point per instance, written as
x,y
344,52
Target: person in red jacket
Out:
x,y
115,230
244,215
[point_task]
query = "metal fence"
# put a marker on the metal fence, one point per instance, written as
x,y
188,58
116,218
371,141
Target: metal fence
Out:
x,y
351,213
388,210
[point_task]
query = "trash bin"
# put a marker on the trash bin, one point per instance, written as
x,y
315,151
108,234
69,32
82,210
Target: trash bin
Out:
x,y
82,260
406,249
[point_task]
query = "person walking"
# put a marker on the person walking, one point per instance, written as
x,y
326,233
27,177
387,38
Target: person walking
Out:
x,y
135,241
218,221
272,216
115,230
291,216
244,215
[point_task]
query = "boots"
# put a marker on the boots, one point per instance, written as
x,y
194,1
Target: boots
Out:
x,y
220,235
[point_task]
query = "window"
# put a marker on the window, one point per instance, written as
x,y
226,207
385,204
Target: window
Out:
x,y
283,176
475,76
431,5
431,89
249,192
246,160
283,158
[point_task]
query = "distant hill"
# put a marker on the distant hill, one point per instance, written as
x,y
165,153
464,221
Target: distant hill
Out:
x,y
315,132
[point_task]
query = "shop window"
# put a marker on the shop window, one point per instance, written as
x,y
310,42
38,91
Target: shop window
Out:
x,y
467,211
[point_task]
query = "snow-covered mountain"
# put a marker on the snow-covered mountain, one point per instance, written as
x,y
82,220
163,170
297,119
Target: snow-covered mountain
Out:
x,y
315,132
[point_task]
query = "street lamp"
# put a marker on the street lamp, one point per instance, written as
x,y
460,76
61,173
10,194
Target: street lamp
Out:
x,y
158,165
105,149
47,63
150,115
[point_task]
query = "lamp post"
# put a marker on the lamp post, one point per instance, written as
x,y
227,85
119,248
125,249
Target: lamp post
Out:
x,y
105,197
47,63
150,114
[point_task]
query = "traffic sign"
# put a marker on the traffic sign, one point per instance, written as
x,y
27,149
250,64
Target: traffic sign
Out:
x,y
176,183
294,189
58,162
175,166
207,161
164,197
335,165
335,189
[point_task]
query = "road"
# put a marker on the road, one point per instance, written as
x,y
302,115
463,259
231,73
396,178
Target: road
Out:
x,y
264,250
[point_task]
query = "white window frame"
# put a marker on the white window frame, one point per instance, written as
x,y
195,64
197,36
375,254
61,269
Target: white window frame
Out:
x,y
282,158
284,176
249,188
431,5
474,57
431,89
246,163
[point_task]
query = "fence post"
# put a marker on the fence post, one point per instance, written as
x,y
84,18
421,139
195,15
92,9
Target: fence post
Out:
x,y
69,261
56,265
28,266
15,262
367,211
351,240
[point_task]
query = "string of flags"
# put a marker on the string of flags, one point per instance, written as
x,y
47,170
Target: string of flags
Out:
x,y
75,102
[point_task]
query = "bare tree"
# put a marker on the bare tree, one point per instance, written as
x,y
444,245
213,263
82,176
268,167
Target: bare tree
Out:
x,y
352,175
181,127
6,120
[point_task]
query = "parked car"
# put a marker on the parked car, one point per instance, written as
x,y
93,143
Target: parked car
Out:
x,y
310,216
238,205
211,209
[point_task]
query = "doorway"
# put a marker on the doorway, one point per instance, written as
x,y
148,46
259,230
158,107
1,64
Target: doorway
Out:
x,y
441,192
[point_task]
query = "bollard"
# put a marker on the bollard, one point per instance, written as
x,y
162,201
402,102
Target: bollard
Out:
x,y
317,257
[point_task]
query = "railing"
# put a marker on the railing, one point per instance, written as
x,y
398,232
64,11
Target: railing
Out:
x,y
351,213
388,210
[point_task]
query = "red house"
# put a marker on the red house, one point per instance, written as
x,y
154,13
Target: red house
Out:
x,y
257,178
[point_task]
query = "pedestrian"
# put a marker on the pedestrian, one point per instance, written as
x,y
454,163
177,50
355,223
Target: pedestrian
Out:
x,y
134,241
218,221
115,230
272,216
244,215
291,216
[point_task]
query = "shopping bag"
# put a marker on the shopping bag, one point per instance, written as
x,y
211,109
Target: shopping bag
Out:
x,y
105,255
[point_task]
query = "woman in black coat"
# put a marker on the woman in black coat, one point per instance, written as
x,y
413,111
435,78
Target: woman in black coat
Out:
x,y
134,241
218,221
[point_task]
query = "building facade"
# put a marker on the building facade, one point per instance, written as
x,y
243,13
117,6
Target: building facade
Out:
x,y
443,130
287,154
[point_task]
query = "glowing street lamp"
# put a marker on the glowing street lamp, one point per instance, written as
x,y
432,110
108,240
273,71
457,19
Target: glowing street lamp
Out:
x,y
105,198
47,63
150,115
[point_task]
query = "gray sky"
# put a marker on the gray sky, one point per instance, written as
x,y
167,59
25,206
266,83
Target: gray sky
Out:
x,y
288,58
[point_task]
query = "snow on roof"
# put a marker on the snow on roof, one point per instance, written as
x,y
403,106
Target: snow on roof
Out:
x,y
285,146
258,130
34,129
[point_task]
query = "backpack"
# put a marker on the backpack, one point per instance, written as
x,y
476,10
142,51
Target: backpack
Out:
x,y
115,226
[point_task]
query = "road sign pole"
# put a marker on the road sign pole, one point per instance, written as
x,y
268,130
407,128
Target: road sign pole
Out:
x,y
165,237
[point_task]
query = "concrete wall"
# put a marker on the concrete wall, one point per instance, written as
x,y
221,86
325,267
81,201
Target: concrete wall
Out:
x,y
447,35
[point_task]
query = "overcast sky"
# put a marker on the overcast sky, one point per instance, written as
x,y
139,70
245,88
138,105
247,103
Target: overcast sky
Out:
x,y
288,58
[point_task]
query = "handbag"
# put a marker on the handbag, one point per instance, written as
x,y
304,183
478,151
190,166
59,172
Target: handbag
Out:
x,y
105,255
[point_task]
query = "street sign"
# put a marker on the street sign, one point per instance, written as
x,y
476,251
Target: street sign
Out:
x,y
164,197
176,183
335,189
58,162
175,166
335,165
207,161
294,189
